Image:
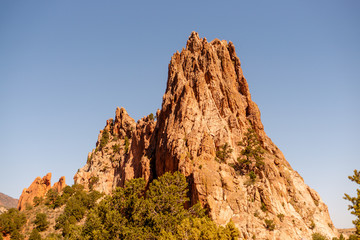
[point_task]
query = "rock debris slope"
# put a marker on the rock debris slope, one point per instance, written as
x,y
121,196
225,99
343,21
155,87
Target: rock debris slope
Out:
x,y
210,130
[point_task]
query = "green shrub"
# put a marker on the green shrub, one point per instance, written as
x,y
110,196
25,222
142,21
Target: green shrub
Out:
x,y
54,236
341,237
41,222
104,139
269,224
28,206
12,222
127,144
353,237
51,197
252,175
35,235
151,116
158,213
281,217
16,235
318,236
37,201
116,147
78,203
312,225
252,151
224,153
92,181
263,207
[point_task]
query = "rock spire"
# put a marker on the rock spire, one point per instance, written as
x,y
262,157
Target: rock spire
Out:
x,y
210,130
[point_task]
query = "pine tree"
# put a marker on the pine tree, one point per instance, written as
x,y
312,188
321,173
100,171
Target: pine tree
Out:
x,y
252,152
355,202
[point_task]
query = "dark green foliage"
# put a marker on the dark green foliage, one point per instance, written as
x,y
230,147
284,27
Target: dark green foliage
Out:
x,y
281,217
16,235
126,144
54,236
35,235
104,139
353,237
252,175
116,147
78,203
151,116
263,207
224,152
89,158
341,237
312,225
318,236
93,180
38,200
252,152
158,213
1,237
355,202
51,198
41,222
11,222
269,224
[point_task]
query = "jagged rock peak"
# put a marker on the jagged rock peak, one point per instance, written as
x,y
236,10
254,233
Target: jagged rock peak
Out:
x,y
59,185
210,130
38,188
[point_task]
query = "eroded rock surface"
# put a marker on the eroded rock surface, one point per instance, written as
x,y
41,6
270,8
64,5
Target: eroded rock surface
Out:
x,y
38,188
205,129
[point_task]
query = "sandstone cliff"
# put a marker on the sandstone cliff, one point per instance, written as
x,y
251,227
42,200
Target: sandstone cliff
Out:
x,y
38,188
210,130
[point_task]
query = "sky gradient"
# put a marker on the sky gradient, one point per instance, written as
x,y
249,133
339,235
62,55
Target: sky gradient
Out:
x,y
66,65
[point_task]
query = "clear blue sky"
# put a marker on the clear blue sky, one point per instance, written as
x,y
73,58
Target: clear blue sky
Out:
x,y
66,65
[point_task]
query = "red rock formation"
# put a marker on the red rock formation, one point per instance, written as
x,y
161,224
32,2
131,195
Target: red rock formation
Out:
x,y
59,186
38,188
207,105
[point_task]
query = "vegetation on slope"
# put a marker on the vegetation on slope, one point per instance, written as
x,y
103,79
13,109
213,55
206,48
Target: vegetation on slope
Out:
x,y
136,211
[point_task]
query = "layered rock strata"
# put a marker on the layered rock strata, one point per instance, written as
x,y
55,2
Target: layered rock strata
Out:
x,y
210,130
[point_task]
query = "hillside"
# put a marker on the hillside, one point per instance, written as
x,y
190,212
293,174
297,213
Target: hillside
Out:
x,y
7,201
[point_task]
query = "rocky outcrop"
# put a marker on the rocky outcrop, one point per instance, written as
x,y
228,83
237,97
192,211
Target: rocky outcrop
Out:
x,y
38,188
121,153
59,186
210,130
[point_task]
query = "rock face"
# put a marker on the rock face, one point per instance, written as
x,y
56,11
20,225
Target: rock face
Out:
x,y
210,130
59,186
38,188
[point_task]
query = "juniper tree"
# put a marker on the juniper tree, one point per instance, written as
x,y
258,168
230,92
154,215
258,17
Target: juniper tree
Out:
x,y
252,152
355,201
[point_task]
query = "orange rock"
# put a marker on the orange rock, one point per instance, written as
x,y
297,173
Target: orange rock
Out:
x,y
207,104
38,188
59,186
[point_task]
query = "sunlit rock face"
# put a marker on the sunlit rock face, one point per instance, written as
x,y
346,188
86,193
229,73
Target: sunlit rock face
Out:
x,y
204,130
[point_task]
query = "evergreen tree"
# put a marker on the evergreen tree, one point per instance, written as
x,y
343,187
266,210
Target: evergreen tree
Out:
x,y
158,213
35,235
355,202
251,157
41,222
11,222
